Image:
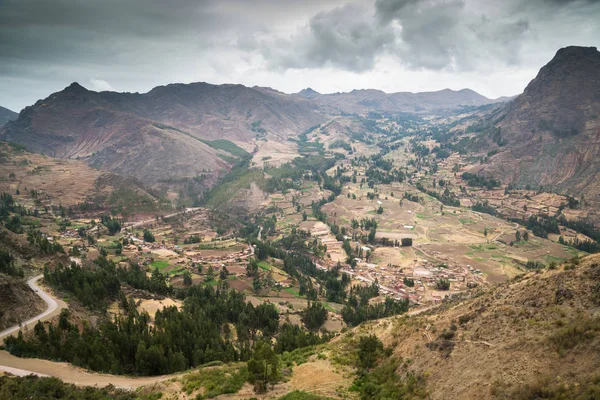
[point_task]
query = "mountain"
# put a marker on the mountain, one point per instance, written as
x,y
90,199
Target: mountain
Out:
x,y
6,115
172,134
536,337
550,134
367,100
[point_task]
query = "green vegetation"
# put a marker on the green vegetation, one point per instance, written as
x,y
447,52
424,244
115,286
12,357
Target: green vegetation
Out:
x,y
160,264
582,329
215,381
263,367
7,265
480,181
94,287
228,146
314,316
240,178
301,395
33,387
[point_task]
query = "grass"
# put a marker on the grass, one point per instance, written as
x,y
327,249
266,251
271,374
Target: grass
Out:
x,y
483,247
224,144
421,216
160,264
293,291
232,185
265,266
298,356
215,382
328,307
301,395
583,329
466,221
549,258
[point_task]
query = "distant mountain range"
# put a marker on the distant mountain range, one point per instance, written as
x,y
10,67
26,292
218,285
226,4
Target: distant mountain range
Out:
x,y
7,115
191,134
168,134
365,100
550,135
162,136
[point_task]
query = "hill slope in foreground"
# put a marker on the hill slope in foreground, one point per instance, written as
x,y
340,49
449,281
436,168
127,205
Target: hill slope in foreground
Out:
x,y
536,337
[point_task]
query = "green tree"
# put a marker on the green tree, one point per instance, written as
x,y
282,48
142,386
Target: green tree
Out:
x,y
149,236
314,316
442,284
369,348
263,367
187,278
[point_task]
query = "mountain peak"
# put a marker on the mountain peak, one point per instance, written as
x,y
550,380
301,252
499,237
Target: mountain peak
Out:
x,y
308,93
75,87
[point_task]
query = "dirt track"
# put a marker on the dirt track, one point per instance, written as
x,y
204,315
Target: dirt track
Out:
x,y
66,372
53,309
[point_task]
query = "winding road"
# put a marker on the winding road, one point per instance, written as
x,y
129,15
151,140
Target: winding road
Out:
x,y
51,310
64,371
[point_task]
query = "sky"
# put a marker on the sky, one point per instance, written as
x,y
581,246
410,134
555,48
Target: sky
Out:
x,y
493,47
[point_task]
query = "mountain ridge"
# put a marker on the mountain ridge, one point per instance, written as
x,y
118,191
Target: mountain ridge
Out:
x,y
7,115
550,134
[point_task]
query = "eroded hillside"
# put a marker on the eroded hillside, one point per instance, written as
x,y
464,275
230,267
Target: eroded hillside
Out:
x,y
535,337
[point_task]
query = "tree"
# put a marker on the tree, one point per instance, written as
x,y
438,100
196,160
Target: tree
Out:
x,y
148,236
442,284
380,210
263,367
371,237
369,348
256,284
407,242
304,216
525,236
187,278
518,236
314,316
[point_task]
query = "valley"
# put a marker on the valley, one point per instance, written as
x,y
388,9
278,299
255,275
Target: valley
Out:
x,y
245,243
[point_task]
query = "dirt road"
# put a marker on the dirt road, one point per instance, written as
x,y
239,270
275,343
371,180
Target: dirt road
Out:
x,y
53,309
66,372
139,224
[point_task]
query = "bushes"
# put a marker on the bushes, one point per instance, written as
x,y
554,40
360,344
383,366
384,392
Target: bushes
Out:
x,y
534,265
7,265
33,387
215,382
581,330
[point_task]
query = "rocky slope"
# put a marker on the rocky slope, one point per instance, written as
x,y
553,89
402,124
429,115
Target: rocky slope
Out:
x,y
364,101
6,115
162,136
535,337
69,183
551,132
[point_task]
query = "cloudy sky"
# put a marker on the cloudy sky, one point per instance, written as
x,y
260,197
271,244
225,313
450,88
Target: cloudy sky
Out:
x,y
494,47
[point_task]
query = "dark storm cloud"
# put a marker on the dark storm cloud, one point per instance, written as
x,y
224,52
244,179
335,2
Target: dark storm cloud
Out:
x,y
459,35
133,45
437,34
345,37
